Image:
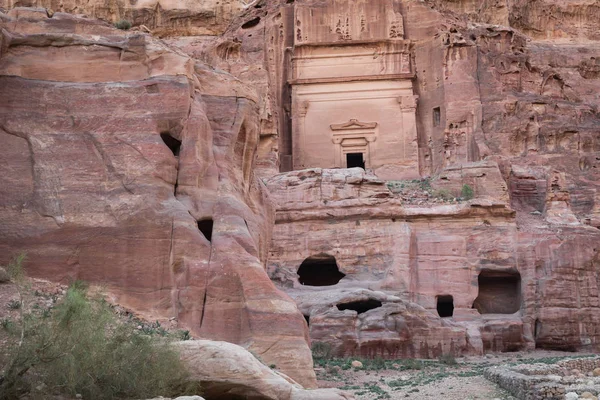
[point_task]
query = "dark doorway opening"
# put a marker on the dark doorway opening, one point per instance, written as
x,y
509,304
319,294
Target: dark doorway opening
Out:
x,y
206,227
499,292
354,160
319,270
360,306
445,306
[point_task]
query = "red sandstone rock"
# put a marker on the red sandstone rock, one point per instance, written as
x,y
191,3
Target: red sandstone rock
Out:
x,y
86,120
509,109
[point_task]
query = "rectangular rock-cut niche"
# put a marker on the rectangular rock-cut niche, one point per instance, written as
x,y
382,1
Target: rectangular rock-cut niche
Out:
x,y
445,306
437,116
499,292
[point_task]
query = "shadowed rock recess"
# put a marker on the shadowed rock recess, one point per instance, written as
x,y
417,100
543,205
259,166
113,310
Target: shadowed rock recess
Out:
x,y
394,178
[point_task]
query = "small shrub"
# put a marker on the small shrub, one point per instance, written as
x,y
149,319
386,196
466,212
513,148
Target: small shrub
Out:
x,y
411,363
447,359
14,304
123,25
7,324
467,192
184,335
443,194
321,350
425,184
376,364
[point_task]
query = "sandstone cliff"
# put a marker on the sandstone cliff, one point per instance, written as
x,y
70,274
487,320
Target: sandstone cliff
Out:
x,y
127,164
132,161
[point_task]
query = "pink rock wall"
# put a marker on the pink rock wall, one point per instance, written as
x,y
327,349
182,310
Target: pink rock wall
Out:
x,y
95,193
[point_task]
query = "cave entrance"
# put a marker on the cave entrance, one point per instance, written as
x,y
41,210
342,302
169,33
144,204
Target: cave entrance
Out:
x,y
499,292
173,144
206,227
445,306
319,270
354,160
360,306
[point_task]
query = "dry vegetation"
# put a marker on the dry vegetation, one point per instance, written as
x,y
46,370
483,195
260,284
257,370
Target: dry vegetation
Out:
x,y
76,345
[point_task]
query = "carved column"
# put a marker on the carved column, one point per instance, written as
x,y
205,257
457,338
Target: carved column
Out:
x,y
408,108
299,134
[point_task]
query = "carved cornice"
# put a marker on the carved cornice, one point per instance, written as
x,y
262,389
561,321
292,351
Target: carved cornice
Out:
x,y
353,124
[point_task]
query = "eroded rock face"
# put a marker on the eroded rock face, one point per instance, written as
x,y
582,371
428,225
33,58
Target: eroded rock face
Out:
x,y
129,165
365,323
499,103
465,278
204,17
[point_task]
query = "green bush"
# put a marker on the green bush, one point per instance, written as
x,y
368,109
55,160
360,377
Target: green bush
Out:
x,y
81,348
321,350
447,359
123,25
443,194
467,192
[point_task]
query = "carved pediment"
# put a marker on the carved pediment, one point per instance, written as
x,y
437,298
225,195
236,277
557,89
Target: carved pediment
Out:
x,y
353,124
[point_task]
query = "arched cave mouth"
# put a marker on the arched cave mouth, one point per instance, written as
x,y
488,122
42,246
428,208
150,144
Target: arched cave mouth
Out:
x,y
445,306
173,144
319,270
360,306
499,292
206,227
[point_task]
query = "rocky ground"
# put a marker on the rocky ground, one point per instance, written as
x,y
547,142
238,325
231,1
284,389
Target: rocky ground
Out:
x,y
449,379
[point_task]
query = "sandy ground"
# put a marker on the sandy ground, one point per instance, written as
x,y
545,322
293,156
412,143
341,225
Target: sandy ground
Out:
x,y
430,380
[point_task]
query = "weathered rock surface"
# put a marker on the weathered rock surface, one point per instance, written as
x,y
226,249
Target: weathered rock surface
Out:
x,y
114,146
497,96
229,371
494,271
365,323
204,17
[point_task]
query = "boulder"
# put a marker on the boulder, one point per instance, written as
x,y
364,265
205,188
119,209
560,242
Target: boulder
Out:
x,y
227,370
4,277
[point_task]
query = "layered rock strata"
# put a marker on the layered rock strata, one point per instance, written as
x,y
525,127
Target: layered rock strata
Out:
x,y
127,164
484,278
131,162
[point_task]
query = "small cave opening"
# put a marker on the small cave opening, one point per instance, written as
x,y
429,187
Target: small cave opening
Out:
x,y
307,318
355,160
499,292
206,227
319,270
360,306
445,306
173,144
251,24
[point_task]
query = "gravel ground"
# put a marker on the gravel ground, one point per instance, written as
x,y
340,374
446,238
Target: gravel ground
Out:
x,y
427,379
